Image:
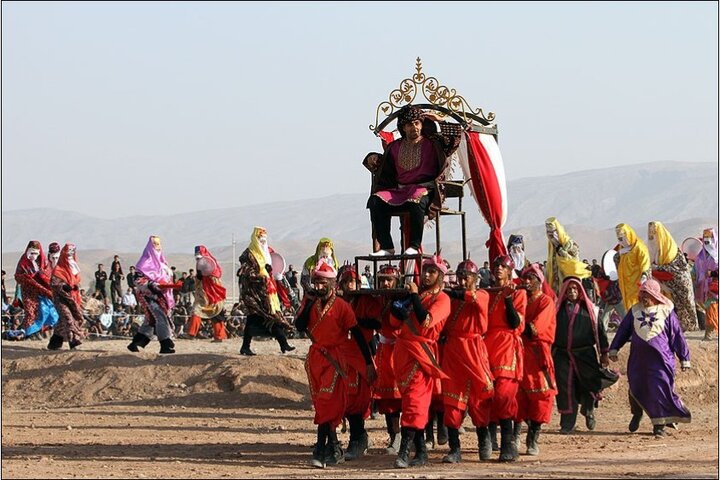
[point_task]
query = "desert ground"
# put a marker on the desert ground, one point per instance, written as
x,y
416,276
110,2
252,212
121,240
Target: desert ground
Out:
x,y
207,412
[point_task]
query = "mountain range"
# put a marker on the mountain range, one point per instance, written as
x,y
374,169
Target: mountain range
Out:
x,y
684,196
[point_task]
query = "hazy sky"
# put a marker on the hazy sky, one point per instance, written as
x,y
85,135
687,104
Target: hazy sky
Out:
x,y
115,109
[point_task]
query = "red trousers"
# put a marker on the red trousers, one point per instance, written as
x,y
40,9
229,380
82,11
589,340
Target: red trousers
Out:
x,y
193,326
358,395
219,332
504,403
537,408
388,405
416,398
479,413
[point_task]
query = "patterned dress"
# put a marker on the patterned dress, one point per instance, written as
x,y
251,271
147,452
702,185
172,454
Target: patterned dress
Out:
x,y
70,325
681,290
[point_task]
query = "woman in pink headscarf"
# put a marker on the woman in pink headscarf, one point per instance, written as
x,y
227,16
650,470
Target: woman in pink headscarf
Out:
x,y
653,330
154,286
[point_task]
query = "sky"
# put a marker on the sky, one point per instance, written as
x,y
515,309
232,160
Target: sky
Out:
x,y
120,109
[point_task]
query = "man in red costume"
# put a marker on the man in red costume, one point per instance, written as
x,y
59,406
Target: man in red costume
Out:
x,y
537,388
209,295
505,325
386,391
327,319
368,310
420,317
465,359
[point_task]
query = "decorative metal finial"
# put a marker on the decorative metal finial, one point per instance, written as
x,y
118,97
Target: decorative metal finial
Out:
x,y
435,93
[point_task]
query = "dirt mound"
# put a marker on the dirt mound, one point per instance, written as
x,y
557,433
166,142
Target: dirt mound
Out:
x,y
35,378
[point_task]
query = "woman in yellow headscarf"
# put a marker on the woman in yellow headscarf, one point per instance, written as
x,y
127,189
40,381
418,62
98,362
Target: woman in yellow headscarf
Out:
x,y
563,258
634,265
325,249
671,269
258,292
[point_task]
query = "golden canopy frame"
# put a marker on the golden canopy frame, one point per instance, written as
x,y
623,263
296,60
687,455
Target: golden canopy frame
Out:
x,y
442,99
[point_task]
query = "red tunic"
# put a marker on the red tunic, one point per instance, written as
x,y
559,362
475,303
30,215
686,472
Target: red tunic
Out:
x,y
416,372
465,357
504,345
359,393
409,355
539,372
328,326
386,387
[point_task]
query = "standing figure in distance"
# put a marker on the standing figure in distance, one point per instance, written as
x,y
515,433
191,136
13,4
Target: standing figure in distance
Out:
x,y
259,294
579,337
633,265
65,284
31,276
210,295
671,269
655,336
154,293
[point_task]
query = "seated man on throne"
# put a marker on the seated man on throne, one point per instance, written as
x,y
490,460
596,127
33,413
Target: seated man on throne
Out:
x,y
405,176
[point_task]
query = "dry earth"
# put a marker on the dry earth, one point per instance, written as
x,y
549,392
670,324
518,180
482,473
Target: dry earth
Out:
x,y
207,412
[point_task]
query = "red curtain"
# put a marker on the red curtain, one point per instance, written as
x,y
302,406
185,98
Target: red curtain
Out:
x,y
488,194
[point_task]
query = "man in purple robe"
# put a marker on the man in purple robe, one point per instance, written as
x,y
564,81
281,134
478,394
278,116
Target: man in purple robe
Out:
x,y
404,176
655,336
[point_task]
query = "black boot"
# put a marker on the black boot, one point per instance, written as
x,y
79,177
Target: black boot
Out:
x,y
74,344
139,340
279,335
318,458
454,439
517,431
533,435
484,444
358,438
429,434
659,431
247,338
634,422
333,452
567,422
55,343
167,346
507,453
392,422
442,430
421,455
407,436
492,429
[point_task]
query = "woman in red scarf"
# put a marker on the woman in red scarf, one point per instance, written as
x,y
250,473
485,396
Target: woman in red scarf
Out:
x,y
65,284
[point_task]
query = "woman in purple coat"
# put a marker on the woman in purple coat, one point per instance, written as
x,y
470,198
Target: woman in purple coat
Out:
x,y
655,336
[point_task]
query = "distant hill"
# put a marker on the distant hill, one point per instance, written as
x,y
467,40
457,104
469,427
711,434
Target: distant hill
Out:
x,y
590,203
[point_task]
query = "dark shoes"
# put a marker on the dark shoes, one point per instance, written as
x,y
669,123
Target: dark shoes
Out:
x,y
74,344
635,423
56,342
138,341
286,348
455,455
507,441
167,346
659,431
484,444
333,453
407,436
247,351
590,421
357,448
